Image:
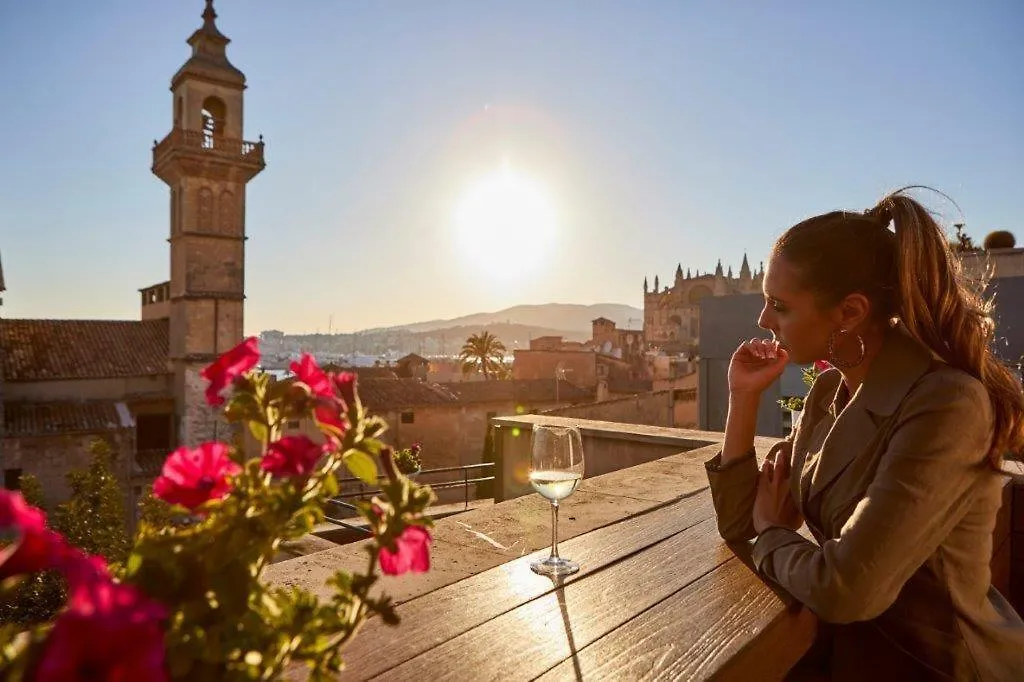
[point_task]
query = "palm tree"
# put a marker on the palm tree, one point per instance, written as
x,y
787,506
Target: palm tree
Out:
x,y
482,352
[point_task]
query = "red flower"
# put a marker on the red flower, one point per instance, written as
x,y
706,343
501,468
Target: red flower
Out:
x,y
345,382
329,413
191,477
412,552
84,571
292,456
36,548
821,365
229,367
308,372
109,631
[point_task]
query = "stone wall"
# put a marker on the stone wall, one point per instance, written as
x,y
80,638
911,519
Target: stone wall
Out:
x,y
580,367
607,447
50,458
88,389
655,409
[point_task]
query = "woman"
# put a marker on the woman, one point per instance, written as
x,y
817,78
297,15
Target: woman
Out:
x,y
894,464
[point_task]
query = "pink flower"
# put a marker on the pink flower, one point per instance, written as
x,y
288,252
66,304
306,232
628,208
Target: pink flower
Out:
x,y
36,548
109,631
229,367
83,571
821,365
345,382
192,477
292,456
308,372
330,413
412,552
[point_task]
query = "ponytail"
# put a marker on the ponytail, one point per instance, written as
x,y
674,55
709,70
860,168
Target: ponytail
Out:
x,y
942,311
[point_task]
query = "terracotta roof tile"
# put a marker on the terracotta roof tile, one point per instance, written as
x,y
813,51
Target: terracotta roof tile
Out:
x,y
44,350
519,391
363,372
391,394
23,418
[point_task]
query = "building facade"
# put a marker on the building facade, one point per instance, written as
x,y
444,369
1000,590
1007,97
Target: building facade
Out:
x,y
672,315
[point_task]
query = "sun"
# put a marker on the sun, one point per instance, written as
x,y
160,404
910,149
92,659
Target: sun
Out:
x,y
500,214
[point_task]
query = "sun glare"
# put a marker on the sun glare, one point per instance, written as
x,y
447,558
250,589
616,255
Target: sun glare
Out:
x,y
502,212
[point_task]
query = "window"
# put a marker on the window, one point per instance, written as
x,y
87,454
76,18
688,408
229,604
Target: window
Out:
x,y
12,479
293,424
213,120
408,418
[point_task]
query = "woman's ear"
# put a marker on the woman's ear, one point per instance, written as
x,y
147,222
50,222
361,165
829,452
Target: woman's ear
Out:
x,y
854,310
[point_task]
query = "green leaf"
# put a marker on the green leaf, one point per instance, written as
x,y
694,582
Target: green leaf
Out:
x,y
361,465
259,431
134,563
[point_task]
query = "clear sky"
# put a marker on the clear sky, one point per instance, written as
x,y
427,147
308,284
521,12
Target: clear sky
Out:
x,y
642,134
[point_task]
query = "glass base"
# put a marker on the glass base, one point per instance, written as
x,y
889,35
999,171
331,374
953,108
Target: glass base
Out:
x,y
554,566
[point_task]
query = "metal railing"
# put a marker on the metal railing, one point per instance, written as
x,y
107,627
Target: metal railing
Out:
x,y
366,491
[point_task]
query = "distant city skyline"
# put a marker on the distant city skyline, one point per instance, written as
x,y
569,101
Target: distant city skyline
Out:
x,y
431,160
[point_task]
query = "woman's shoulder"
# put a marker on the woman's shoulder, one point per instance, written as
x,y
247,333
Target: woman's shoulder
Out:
x,y
943,384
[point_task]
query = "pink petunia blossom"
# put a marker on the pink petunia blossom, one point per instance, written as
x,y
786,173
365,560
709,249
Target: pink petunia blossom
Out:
x,y
191,477
412,552
229,367
292,456
345,383
108,631
308,372
35,546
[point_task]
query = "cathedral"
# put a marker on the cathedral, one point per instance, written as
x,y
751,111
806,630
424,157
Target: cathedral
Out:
x,y
672,314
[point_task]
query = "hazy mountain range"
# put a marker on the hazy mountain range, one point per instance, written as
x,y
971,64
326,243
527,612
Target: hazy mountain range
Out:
x,y
514,326
567,317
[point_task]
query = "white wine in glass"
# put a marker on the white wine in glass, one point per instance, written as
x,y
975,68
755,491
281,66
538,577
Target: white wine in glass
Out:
x,y
556,468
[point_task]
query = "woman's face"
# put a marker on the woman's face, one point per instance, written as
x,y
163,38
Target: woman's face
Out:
x,y
793,315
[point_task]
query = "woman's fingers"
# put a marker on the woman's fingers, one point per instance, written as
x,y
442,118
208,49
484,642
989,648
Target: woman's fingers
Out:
x,y
762,349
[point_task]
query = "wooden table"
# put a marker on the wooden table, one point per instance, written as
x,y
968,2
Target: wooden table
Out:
x,y
659,596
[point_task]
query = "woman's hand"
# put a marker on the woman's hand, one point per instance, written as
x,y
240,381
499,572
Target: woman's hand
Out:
x,y
774,505
755,365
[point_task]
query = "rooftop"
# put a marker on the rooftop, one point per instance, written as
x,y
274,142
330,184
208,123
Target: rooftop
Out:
x,y
24,418
52,350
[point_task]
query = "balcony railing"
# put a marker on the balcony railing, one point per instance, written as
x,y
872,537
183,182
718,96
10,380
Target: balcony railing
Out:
x,y
202,142
460,477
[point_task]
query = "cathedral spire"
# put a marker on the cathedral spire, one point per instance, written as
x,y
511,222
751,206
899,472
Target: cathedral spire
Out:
x,y
718,268
745,268
679,271
645,285
656,289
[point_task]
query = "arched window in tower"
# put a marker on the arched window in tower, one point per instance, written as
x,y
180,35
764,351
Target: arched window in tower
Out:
x,y
177,111
213,120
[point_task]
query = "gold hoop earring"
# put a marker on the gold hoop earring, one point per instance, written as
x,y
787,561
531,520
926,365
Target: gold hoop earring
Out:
x,y
837,362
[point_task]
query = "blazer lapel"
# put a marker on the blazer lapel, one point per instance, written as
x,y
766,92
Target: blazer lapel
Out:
x,y
899,364
853,430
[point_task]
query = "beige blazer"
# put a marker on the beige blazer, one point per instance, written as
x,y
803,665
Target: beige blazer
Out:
x,y
895,488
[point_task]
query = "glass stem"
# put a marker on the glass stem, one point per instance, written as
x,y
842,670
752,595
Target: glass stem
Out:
x,y
554,529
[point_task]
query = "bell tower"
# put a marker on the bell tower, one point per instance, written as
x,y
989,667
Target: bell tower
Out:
x,y
207,164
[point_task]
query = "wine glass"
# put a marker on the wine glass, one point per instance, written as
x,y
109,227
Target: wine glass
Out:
x,y
556,469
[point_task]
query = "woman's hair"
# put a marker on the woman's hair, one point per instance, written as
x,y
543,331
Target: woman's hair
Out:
x,y
912,274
